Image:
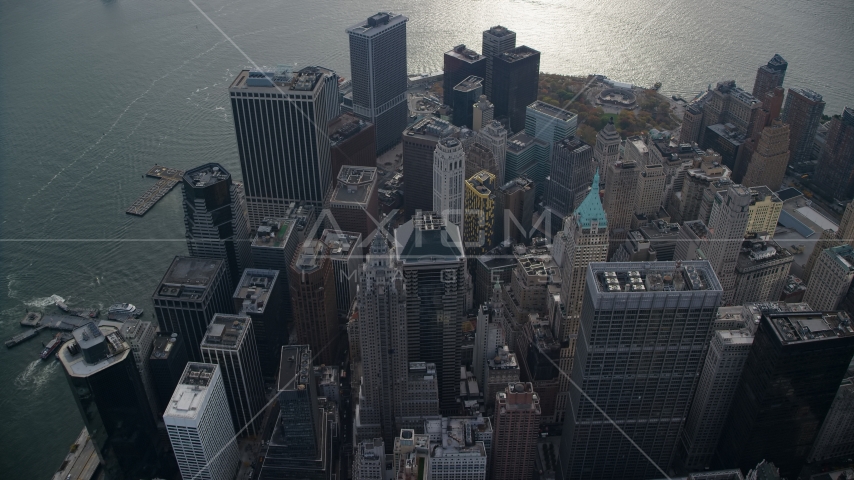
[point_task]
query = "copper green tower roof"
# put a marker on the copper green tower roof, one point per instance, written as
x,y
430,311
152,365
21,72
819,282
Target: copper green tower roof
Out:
x,y
591,209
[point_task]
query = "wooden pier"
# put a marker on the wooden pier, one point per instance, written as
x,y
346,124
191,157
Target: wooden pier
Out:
x,y
167,178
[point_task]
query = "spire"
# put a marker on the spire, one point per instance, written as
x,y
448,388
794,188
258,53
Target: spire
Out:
x,y
379,244
591,209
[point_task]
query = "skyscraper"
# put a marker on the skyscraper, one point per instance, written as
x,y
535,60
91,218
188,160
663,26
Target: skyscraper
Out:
x,y
706,171
790,379
765,209
460,63
215,218
369,463
230,342
281,119
140,335
515,210
419,148
260,296
378,67
549,123
572,168
479,231
433,260
482,113
480,157
660,305
802,112
496,41
836,437
651,183
354,201
767,165
830,278
449,166
760,271
464,96
166,363
515,83
312,284
834,173
353,142
109,393
199,428
494,136
770,76
621,185
190,293
727,224
607,149
345,252
514,440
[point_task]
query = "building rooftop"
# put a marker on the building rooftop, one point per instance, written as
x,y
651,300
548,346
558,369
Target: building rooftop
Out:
x,y
457,437
254,289
591,210
341,244
274,232
422,370
344,127
470,83
807,93
93,349
544,338
535,261
206,175
431,128
376,24
355,185
755,252
761,192
191,391
518,54
482,182
428,239
643,277
282,79
295,369
517,184
552,111
729,132
499,31
465,54
310,256
698,228
843,255
659,228
522,141
226,332
163,346
739,337
504,359
188,277
802,327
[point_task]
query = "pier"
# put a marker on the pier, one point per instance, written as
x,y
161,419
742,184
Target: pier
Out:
x,y
167,178
23,337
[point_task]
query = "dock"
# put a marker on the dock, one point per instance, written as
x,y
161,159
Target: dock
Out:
x,y
81,462
32,319
167,178
23,337
64,323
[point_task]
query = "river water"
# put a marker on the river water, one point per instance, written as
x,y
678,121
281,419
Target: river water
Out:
x,y
95,92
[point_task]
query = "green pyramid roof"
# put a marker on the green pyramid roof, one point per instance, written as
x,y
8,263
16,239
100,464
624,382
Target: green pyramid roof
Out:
x,y
591,208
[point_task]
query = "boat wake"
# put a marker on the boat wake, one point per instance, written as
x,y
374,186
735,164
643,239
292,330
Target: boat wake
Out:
x,y
34,377
44,301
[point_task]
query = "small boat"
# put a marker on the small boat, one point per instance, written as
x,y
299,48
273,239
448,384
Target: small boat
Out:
x,y
62,306
51,347
122,309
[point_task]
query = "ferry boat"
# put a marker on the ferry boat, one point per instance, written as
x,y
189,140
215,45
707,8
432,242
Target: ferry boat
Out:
x,y
51,347
122,309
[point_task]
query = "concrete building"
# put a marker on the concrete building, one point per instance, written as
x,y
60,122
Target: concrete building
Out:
x,y
199,428
480,157
770,76
535,273
727,140
607,149
494,136
353,142
572,168
378,70
651,183
259,296
802,112
517,412
231,343
765,208
449,166
707,171
460,63
690,131
515,83
419,147
770,158
369,463
728,104
760,271
109,393
636,150
633,291
836,437
828,239
708,201
277,239
662,237
284,156
354,201
188,296
456,451
830,278
312,284
140,335
421,398
215,218
494,364
636,248
464,96
496,41
675,158
345,252
166,365
495,266
727,224
769,419
479,231
432,256
835,170
621,183
515,210
693,241
482,113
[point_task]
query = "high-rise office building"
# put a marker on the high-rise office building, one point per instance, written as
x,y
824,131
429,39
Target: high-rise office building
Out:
x,y
692,243
770,158
515,210
259,296
691,121
433,260
802,112
188,296
215,218
514,440
166,363
770,76
760,271
727,224
198,425
660,305
281,120
369,463
790,379
480,157
109,393
345,251
515,83
419,147
707,171
662,237
526,156
464,96
479,233
496,41
449,166
378,69
353,142
830,278
730,105
636,150
826,240
836,437
457,448
354,201
834,174
460,63
312,284
549,123
230,342
765,209
607,149
621,184
572,168
494,136
140,335
651,183
482,113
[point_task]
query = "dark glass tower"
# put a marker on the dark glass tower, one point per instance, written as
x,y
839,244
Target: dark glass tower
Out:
x,y
108,390
463,97
496,41
460,63
515,82
790,379
215,218
166,364
259,296
834,174
378,67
